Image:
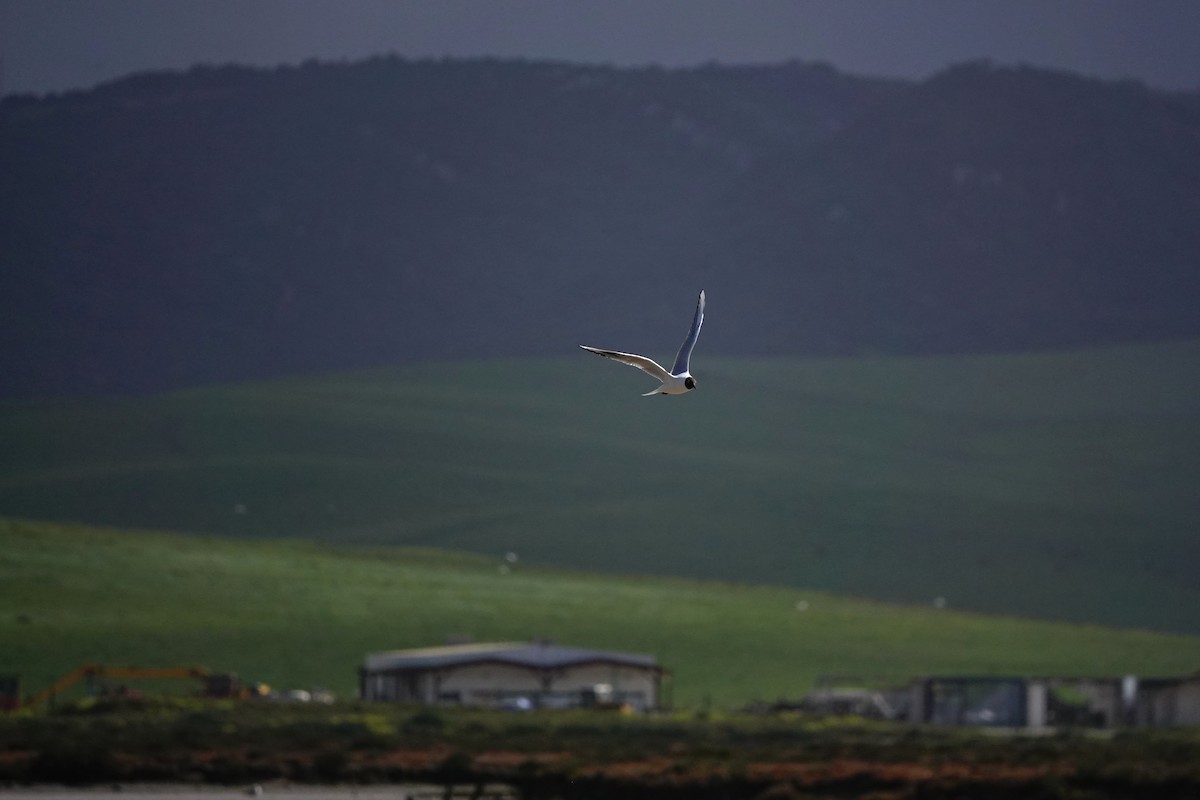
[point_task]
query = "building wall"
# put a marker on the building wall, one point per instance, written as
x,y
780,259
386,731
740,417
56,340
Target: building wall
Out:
x,y
484,684
1188,707
1170,704
1104,698
625,681
970,701
637,687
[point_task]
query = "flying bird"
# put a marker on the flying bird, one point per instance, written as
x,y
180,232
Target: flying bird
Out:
x,y
679,380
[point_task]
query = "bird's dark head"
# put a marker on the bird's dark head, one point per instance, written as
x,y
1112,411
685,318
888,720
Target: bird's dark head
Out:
x,y
689,382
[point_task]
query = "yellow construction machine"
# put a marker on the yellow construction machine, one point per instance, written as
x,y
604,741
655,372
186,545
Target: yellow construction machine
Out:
x,y
212,684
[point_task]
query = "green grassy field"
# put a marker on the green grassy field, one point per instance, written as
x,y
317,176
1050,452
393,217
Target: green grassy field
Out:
x,y
1057,486
299,615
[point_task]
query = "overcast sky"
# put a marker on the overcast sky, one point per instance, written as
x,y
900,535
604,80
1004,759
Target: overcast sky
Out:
x,y
52,45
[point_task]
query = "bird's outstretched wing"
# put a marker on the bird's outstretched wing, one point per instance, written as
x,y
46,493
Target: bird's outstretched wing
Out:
x,y
685,352
647,365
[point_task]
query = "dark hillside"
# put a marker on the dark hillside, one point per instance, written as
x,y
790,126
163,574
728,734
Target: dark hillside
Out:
x,y
227,223
176,229
984,210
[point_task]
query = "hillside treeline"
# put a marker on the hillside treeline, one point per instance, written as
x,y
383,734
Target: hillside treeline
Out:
x,y
224,223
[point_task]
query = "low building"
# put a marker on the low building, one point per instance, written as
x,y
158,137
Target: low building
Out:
x,y
970,700
1020,702
513,675
1165,702
1034,703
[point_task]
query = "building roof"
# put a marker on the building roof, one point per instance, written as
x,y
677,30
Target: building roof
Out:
x,y
533,655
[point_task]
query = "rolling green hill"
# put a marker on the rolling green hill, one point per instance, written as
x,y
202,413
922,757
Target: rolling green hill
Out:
x,y
1057,486
299,614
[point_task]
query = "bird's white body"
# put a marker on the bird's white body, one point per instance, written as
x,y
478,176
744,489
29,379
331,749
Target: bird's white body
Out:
x,y
679,379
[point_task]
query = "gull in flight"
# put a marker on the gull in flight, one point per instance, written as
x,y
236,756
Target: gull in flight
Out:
x,y
679,380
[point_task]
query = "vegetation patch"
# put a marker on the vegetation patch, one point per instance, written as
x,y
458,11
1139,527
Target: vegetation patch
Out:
x,y
551,754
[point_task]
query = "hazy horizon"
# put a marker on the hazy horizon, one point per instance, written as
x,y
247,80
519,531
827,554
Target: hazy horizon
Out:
x,y
59,45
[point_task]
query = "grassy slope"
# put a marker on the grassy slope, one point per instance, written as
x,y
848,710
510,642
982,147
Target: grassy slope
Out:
x,y
298,615
1058,486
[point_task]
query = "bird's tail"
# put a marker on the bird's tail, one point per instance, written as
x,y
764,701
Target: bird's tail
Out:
x,y
656,391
